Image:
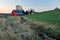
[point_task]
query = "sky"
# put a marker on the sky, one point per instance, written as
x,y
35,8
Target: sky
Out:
x,y
6,6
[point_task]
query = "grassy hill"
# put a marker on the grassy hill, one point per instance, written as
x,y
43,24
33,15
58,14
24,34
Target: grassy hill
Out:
x,y
20,28
50,17
12,28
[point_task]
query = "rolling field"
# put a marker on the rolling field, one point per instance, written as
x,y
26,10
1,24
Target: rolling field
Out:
x,y
50,17
22,28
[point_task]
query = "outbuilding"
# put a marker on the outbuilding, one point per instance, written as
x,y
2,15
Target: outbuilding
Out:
x,y
18,11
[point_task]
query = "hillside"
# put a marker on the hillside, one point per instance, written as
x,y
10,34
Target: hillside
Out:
x,y
21,28
12,28
31,27
49,17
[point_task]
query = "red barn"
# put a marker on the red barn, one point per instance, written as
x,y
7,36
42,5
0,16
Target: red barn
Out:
x,y
13,13
16,12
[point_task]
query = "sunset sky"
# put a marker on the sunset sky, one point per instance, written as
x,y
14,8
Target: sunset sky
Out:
x,y
6,6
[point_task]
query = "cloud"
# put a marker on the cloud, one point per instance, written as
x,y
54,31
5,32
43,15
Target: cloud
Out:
x,y
26,8
6,8
44,8
40,9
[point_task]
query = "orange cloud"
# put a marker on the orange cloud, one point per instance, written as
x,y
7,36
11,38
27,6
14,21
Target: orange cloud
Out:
x,y
6,9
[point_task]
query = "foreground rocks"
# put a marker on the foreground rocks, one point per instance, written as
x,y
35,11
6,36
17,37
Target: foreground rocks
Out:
x,y
21,28
13,28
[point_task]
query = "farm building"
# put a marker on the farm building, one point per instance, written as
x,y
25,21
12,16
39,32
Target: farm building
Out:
x,y
18,11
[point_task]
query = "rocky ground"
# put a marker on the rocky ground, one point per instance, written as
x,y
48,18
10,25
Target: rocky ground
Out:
x,y
13,28
20,28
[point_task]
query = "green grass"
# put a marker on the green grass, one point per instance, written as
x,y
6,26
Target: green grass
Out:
x,y
51,17
50,32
